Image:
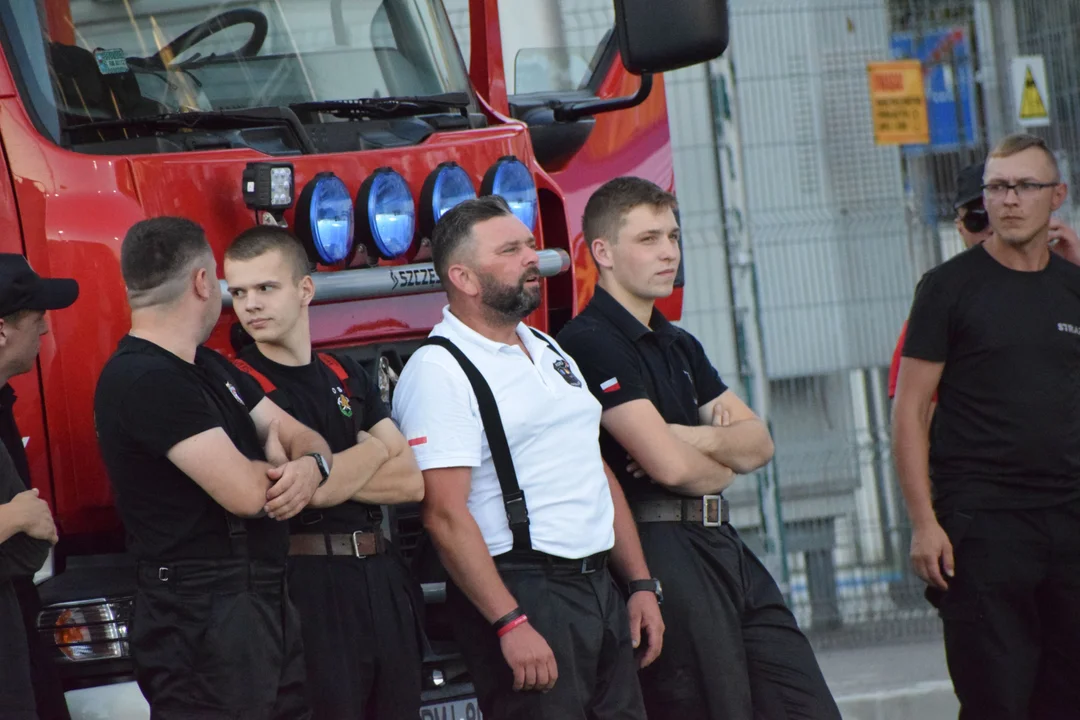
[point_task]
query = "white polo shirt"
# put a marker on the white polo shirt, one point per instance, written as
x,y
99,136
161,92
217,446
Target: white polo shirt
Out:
x,y
552,426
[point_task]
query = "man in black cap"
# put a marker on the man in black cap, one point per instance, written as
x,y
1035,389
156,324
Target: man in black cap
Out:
x,y
182,433
30,687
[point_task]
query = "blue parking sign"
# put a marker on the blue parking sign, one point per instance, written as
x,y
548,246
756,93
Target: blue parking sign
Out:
x,y
949,77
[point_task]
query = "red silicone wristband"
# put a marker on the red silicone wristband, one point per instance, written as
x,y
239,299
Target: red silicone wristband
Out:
x,y
520,620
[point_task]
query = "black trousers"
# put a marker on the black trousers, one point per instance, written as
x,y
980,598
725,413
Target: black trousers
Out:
x,y
218,640
48,689
1012,613
732,648
362,641
583,618
16,689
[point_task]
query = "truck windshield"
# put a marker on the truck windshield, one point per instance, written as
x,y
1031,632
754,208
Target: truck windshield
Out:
x,y
98,60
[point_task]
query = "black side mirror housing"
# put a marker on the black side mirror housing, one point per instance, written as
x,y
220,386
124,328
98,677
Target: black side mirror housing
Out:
x,y
660,35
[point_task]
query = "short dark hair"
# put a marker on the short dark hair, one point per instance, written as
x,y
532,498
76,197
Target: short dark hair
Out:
x,y
1019,142
457,225
261,239
155,255
608,207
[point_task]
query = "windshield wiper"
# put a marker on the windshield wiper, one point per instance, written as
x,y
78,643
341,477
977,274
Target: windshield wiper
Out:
x,y
388,107
206,120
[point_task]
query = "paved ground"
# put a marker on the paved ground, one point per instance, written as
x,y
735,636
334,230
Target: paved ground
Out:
x,y
891,682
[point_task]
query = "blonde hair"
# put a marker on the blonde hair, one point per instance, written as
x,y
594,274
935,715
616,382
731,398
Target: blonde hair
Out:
x,y
1018,143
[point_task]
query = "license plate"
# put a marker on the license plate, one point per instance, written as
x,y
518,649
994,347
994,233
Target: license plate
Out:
x,y
452,710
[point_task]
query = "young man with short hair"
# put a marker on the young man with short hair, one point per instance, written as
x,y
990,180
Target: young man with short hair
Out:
x,y
358,604
675,435
992,482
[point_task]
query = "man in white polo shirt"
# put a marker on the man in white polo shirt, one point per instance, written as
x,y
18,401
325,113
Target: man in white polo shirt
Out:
x,y
518,501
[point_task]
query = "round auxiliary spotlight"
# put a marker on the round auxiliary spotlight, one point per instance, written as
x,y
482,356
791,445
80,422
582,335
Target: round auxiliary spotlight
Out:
x,y
512,181
446,186
324,219
388,204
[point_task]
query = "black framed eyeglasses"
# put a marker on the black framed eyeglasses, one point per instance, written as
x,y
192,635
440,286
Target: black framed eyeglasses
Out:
x,y
998,190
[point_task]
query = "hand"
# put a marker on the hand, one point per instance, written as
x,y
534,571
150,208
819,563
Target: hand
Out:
x,y
1063,241
720,416
931,552
530,657
634,469
34,516
295,483
645,615
362,437
275,451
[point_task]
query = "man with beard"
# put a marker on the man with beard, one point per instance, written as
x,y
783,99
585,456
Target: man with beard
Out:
x,y
992,486
182,433
674,432
355,595
518,502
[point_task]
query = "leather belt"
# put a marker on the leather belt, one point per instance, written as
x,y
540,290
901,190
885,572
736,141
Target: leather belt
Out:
x,y
709,510
537,559
358,544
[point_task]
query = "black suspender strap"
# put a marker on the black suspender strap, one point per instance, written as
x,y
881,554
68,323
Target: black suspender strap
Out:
x,y
517,512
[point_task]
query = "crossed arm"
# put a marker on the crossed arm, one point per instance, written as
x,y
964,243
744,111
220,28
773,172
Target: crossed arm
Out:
x,y
250,488
380,470
698,460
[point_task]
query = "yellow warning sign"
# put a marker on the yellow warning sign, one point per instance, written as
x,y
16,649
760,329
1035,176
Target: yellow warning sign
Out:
x,y
898,103
1030,91
1031,104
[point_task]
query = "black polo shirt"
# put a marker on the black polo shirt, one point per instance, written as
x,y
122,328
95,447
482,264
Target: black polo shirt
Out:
x,y
10,435
622,360
147,401
313,395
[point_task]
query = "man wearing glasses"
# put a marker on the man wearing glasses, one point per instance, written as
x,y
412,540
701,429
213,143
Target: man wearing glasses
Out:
x,y
973,224
992,486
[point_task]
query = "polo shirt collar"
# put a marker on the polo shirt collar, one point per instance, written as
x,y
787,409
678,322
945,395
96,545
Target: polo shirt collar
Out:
x,y
629,325
466,333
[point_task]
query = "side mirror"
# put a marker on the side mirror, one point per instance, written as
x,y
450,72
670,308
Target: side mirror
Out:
x,y
660,35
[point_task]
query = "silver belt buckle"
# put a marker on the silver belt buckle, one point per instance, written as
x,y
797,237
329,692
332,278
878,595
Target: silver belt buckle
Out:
x,y
710,509
356,546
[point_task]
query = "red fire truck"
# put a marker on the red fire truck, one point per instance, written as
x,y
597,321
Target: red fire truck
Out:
x,y
355,122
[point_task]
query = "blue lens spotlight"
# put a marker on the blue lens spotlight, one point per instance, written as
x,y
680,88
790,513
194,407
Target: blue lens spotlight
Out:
x,y
391,214
324,219
512,181
448,185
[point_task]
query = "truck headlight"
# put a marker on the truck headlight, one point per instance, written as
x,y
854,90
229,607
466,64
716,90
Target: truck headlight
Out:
x,y
87,630
268,185
510,179
448,185
391,213
324,218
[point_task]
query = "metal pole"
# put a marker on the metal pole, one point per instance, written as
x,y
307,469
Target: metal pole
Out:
x,y
397,280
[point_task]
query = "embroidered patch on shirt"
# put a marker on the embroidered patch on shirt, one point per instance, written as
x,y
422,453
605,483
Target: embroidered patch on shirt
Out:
x,y
235,394
611,385
563,368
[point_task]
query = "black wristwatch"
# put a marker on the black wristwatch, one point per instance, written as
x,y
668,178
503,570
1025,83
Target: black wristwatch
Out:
x,y
324,469
650,585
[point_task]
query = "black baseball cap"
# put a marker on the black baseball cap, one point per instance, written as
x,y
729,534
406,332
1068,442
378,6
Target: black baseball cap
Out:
x,y
969,185
23,289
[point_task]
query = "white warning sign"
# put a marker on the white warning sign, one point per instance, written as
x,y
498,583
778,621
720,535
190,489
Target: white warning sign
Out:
x,y
1031,93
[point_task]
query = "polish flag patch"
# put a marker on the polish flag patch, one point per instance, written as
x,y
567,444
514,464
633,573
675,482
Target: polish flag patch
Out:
x,y
422,440
610,385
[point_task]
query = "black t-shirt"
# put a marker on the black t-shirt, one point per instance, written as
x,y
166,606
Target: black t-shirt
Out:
x,y
313,395
1006,432
147,401
622,360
